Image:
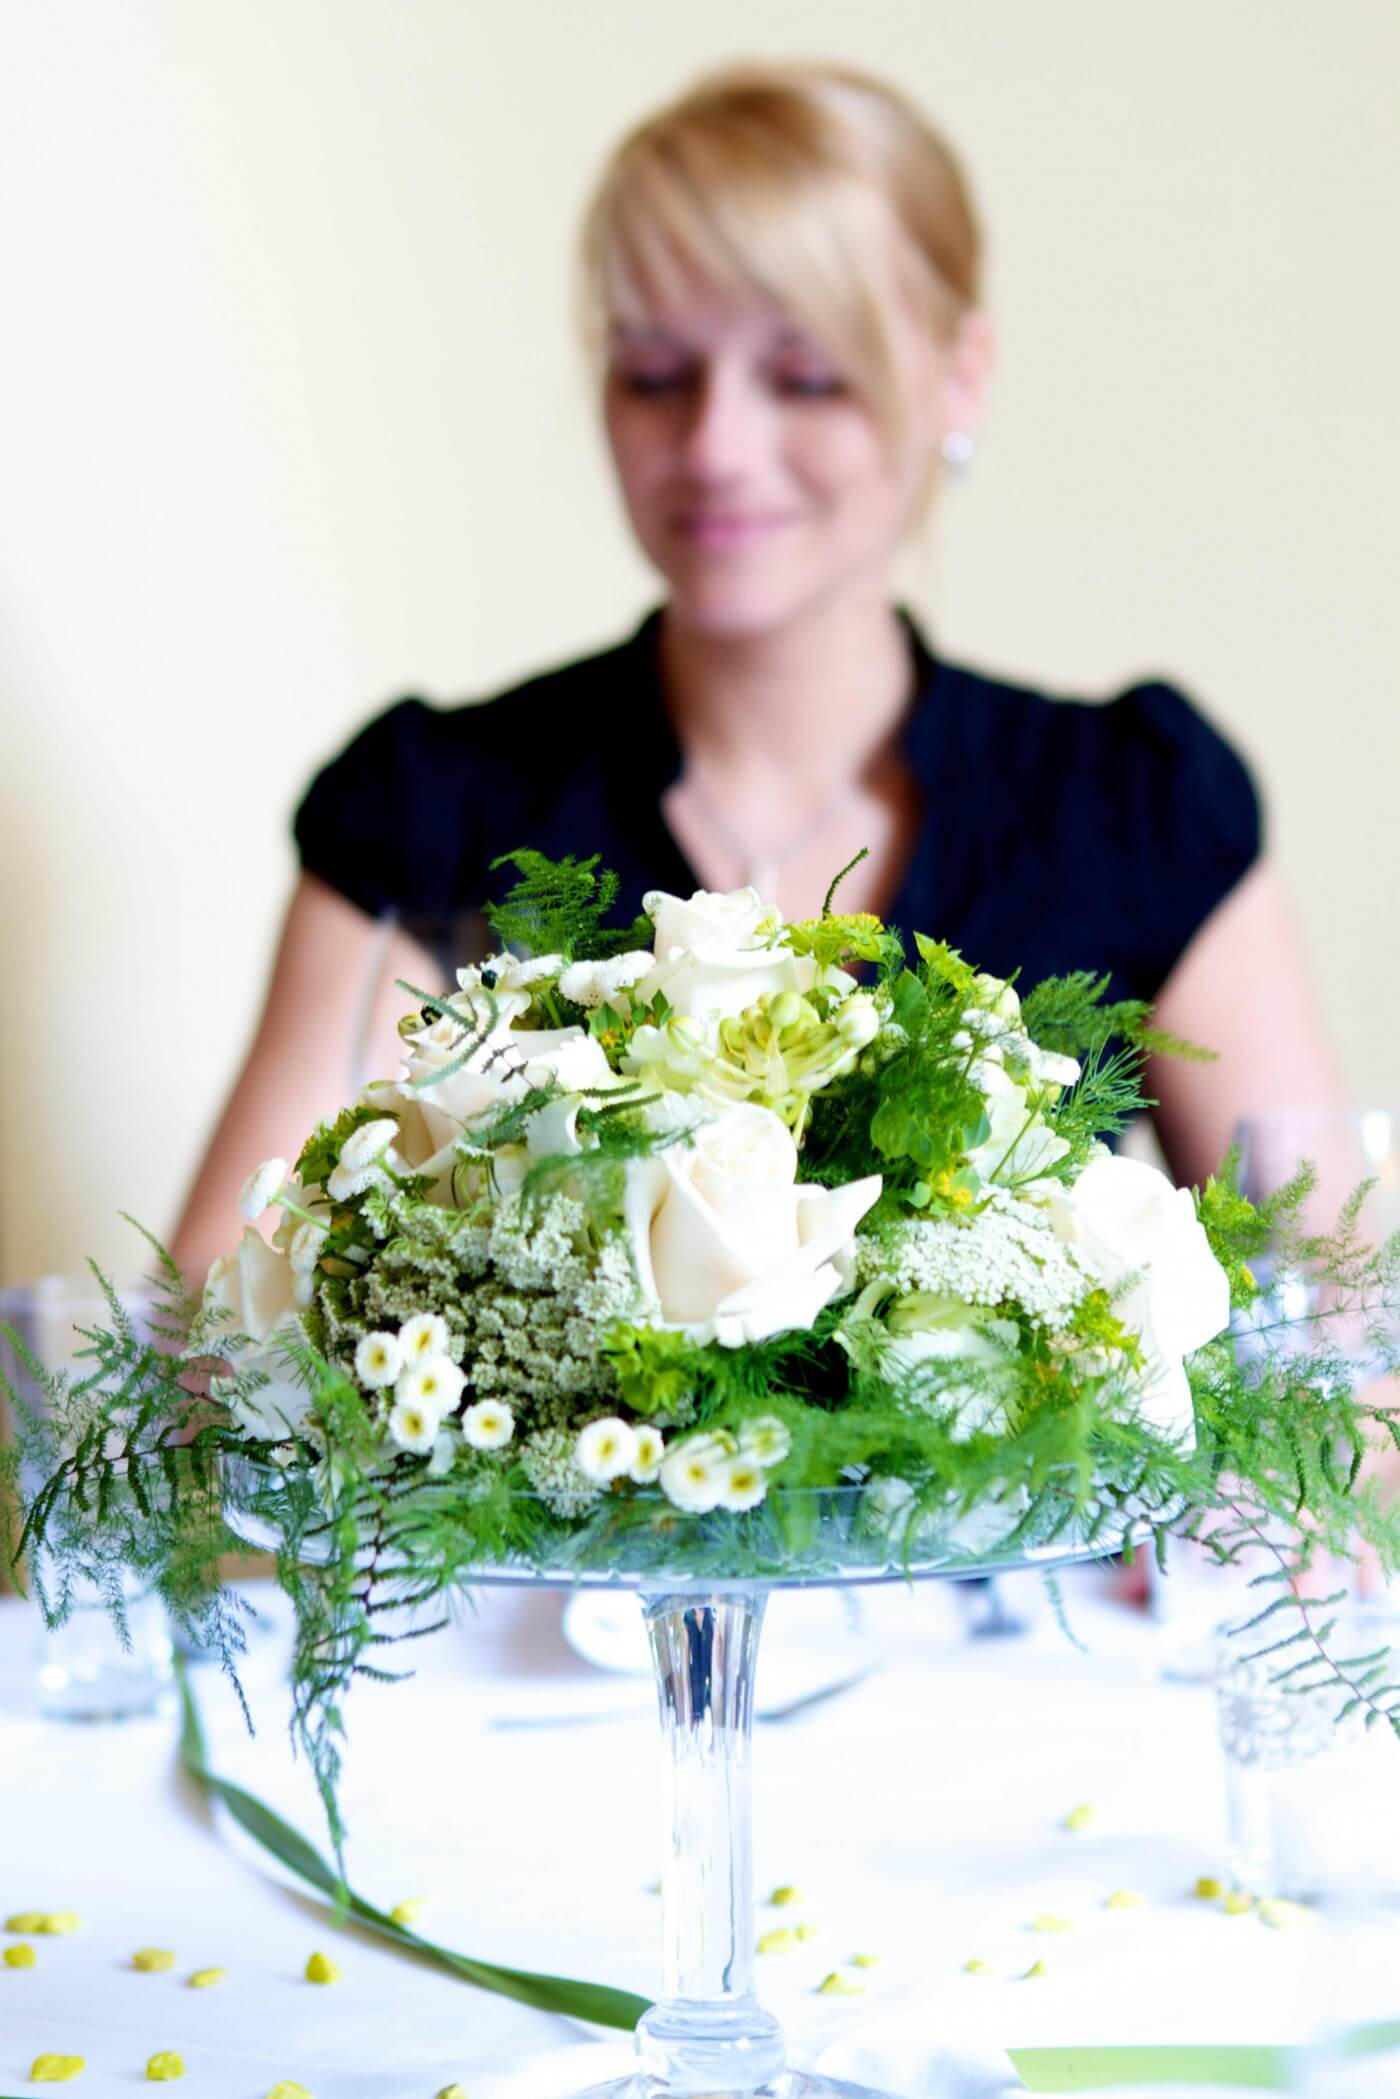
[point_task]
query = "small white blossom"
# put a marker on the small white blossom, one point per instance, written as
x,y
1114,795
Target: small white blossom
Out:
x,y
444,1453
605,1449
344,1181
423,1336
598,983
435,1385
489,1425
261,1187
765,1439
378,1360
692,1473
510,972
413,1427
651,1449
1050,1068
364,1146
305,1250
743,1483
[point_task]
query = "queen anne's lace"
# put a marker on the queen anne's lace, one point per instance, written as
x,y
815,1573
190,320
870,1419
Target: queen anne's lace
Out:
x,y
1006,1254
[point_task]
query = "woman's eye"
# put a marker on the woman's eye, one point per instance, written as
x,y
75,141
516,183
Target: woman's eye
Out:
x,y
809,386
653,382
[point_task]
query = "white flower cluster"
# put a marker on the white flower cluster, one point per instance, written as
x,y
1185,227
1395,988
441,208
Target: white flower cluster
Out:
x,y
1007,1253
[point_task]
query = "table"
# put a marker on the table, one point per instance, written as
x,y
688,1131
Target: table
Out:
x,y
921,1814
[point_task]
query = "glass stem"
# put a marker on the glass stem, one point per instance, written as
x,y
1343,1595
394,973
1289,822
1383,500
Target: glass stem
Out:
x,y
707,2031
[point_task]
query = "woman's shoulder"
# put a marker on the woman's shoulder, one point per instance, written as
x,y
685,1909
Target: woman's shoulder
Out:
x,y
387,820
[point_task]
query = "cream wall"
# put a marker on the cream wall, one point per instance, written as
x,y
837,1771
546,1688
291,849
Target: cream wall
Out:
x,y
291,420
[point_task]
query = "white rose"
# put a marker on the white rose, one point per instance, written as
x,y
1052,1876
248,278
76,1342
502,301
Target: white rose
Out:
x,y
1125,1218
711,955
725,1240
256,1287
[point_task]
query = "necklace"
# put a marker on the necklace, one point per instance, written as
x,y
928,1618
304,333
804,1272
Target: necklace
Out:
x,y
761,869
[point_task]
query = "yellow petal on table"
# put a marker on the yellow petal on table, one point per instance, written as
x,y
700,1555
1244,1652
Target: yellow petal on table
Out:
x,y
1280,1915
165,2067
286,2089
837,1986
781,1898
1125,1899
1050,1922
205,1978
807,1931
321,1968
1238,1903
780,1941
56,2069
1080,1817
1035,1969
55,1924
976,1967
27,1920
20,1957
452,2091
153,1960
405,1912
1208,1888
865,1960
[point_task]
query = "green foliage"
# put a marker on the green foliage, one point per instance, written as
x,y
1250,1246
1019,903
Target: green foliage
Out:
x,y
657,1373
1068,1014
557,907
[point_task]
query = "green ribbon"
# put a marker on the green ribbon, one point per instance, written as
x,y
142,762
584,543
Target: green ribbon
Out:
x,y
1252,2069
591,2001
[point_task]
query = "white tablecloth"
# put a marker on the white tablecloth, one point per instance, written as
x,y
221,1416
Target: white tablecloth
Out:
x,y
920,1815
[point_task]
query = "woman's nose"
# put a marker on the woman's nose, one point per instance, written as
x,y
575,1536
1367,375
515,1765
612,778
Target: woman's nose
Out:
x,y
727,425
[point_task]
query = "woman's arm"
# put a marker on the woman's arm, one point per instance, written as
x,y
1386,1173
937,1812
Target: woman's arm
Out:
x,y
298,1070
1242,989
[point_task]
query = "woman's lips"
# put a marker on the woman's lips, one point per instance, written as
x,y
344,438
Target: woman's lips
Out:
x,y
727,528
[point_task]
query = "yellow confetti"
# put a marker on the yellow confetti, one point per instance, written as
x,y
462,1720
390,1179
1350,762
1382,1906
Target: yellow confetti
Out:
x,y
205,1978
865,1960
1050,1922
165,2067
976,1968
20,1957
1280,1915
808,1931
153,1960
780,1941
27,1920
452,2091
1035,1969
837,1986
56,1924
1208,1888
1238,1903
285,2089
405,1912
1080,1817
321,1968
1125,1899
56,2069
781,1898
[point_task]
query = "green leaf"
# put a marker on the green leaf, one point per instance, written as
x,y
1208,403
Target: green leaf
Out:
x,y
1104,2069
594,2002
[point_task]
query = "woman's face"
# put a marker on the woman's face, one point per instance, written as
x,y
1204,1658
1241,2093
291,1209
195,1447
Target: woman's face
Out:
x,y
756,480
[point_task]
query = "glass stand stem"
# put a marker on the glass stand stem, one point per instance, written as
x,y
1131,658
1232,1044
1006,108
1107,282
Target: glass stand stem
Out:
x,y
707,2032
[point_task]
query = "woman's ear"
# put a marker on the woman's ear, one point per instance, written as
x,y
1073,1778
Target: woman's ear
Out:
x,y
967,370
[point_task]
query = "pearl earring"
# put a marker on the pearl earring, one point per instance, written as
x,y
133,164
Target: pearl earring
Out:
x,y
957,449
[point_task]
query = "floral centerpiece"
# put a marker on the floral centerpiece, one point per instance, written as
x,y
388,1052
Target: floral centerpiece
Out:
x,y
669,1242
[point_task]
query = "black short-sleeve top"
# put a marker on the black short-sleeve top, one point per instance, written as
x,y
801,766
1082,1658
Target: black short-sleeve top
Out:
x,y
1057,833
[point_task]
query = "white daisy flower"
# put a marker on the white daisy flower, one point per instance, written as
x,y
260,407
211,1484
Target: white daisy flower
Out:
x,y
305,1248
651,1449
766,1440
435,1384
692,1473
422,1336
413,1427
605,1449
343,1181
261,1188
489,1425
598,983
444,1453
743,1484
364,1146
378,1360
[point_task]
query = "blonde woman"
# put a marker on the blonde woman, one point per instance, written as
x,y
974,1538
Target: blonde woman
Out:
x,y
783,279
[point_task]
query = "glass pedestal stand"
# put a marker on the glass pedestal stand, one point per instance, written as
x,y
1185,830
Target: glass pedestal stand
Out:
x,y
707,2033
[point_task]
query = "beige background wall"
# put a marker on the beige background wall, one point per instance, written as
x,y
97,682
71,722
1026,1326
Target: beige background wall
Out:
x,y
292,420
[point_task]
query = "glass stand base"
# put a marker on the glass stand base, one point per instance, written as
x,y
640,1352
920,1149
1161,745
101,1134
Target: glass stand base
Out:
x,y
790,2084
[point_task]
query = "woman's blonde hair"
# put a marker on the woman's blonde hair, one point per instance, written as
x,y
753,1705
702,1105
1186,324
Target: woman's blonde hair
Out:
x,y
814,186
